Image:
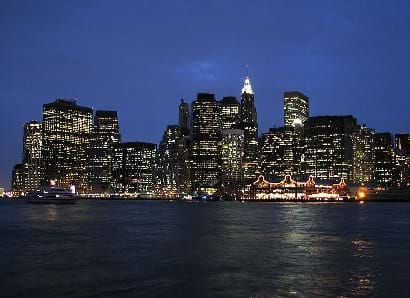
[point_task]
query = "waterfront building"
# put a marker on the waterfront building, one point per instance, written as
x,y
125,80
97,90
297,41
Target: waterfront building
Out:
x,y
402,160
17,179
134,167
329,147
67,132
32,146
296,108
402,142
277,153
106,134
363,154
249,124
206,146
184,115
384,159
232,151
230,112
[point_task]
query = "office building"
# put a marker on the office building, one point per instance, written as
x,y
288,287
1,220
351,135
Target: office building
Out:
x,y
230,112
296,109
384,159
184,115
106,134
329,147
363,155
134,167
232,151
206,146
67,133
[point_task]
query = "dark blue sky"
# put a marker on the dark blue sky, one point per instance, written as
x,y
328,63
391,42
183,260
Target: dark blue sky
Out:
x,y
141,57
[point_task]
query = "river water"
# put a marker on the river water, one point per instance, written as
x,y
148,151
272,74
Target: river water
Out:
x,y
226,249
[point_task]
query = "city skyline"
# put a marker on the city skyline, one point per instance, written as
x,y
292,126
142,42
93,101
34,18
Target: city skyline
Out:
x,y
345,69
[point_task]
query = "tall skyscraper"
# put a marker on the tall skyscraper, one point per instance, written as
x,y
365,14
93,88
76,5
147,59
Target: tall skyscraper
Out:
x,y
329,147
277,153
206,147
402,160
133,167
402,142
296,108
106,134
67,132
363,154
230,112
184,115
249,124
384,159
232,150
32,146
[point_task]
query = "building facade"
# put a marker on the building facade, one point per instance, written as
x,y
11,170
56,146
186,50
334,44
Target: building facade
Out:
x,y
134,167
232,151
296,108
230,112
329,147
106,134
249,124
67,133
206,144
363,155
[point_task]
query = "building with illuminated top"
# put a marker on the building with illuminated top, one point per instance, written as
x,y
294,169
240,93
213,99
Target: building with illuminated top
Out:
x,y
249,124
134,167
206,144
67,134
106,134
232,151
296,108
230,112
329,147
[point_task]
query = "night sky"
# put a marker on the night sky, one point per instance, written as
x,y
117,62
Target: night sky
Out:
x,y
141,57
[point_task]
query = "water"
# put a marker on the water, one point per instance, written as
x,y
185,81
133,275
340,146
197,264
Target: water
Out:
x,y
228,249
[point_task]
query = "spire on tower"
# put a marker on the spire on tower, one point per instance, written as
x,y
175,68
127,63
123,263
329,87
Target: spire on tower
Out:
x,y
247,87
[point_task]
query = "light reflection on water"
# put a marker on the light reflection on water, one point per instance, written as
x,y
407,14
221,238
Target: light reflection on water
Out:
x,y
162,249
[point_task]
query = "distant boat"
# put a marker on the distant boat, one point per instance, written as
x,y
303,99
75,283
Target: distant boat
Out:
x,y
51,195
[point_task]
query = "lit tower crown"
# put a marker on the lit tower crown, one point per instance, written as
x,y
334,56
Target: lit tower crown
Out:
x,y
247,87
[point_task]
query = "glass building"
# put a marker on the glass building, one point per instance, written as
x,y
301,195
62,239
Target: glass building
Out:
x,y
230,112
329,147
67,133
384,159
106,134
206,146
232,151
363,154
134,167
296,108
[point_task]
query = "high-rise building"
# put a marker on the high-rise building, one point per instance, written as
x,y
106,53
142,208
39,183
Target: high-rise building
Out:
x,y
384,159
363,154
329,147
67,132
230,112
184,115
296,108
206,149
106,134
277,148
402,142
249,124
133,167
18,179
232,150
32,146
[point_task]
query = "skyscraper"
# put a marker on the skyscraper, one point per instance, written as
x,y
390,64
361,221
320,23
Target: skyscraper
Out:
x,y
32,146
67,129
329,147
184,115
230,112
232,150
384,159
402,160
363,154
106,134
133,167
249,124
277,153
296,108
206,147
